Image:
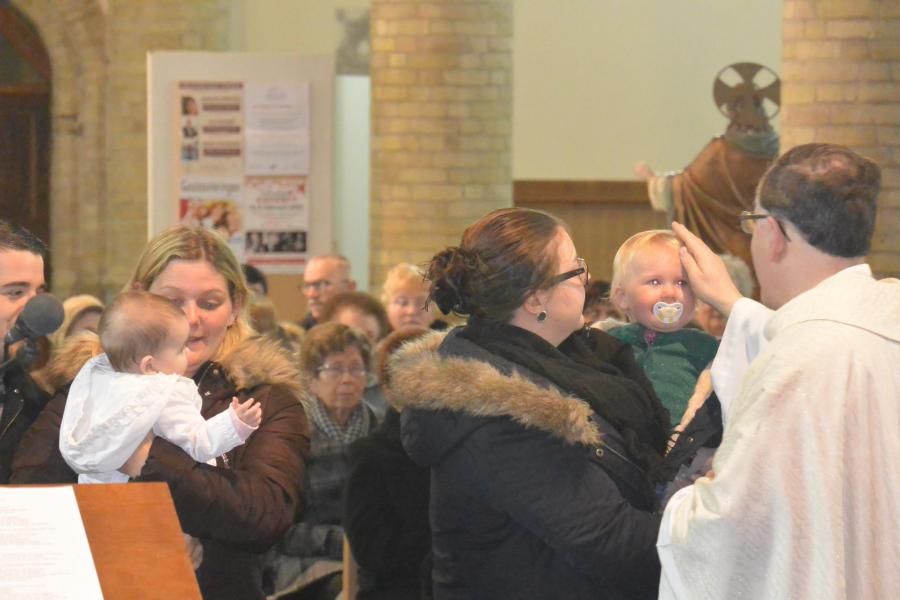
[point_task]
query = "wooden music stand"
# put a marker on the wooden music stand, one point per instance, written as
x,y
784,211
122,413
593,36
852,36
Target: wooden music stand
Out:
x,y
136,541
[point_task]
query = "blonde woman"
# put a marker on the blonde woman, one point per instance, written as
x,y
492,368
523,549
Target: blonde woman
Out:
x,y
82,313
405,298
248,500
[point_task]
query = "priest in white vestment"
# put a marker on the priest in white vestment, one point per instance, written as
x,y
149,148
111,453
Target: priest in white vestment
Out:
x,y
804,498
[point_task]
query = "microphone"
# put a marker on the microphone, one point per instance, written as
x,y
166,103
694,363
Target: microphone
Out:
x,y
42,315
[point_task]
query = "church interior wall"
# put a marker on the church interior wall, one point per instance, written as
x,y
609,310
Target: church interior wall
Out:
x,y
597,85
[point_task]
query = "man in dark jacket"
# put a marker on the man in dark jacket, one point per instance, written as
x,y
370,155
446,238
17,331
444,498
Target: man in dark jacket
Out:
x,y
21,277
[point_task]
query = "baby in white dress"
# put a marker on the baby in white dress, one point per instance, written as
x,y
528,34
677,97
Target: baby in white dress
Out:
x,y
137,386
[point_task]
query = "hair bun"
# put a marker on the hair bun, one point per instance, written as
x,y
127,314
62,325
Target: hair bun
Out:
x,y
451,272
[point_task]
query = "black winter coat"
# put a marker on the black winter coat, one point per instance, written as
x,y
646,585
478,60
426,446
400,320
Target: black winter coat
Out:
x,y
386,516
22,401
532,494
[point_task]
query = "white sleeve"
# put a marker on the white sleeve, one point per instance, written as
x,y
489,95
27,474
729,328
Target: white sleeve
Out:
x,y
105,477
182,424
742,342
661,193
670,585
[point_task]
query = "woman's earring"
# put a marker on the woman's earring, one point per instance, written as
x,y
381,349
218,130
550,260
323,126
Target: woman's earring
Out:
x,y
542,316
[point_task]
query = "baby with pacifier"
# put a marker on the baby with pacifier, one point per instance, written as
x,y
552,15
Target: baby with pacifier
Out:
x,y
650,286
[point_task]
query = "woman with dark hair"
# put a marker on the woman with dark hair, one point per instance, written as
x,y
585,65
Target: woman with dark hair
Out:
x,y
544,438
359,310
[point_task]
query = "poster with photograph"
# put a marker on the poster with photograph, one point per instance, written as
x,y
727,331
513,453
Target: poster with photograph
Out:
x,y
215,204
211,138
276,223
277,126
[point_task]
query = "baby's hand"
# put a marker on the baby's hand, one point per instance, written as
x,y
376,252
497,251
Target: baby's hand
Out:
x,y
643,170
249,412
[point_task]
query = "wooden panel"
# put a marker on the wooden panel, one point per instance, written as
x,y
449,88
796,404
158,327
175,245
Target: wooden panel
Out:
x,y
600,214
136,542
528,192
285,291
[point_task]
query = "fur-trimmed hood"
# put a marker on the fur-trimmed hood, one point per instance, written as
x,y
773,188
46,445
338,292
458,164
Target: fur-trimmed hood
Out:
x,y
255,361
445,372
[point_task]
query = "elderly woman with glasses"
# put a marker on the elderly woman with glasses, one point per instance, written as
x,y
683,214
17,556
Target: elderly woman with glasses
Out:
x,y
334,359
544,438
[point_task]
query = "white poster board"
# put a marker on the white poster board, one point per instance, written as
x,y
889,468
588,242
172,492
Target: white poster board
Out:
x,y
277,163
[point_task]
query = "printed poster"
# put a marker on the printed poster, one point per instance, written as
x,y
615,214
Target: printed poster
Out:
x,y
277,223
244,152
277,122
211,136
216,204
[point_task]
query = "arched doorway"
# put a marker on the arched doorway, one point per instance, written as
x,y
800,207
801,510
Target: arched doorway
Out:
x,y
24,124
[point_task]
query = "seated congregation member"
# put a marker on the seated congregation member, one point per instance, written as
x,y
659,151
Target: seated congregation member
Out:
x,y
325,276
405,297
803,500
241,506
21,279
263,319
708,318
598,306
257,282
360,311
82,313
543,436
386,502
366,314
334,359
650,286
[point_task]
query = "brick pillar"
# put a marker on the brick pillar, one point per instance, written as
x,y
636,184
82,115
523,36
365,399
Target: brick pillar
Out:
x,y
441,123
841,75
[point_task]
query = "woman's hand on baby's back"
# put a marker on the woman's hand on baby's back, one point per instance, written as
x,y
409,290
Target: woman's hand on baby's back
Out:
x,y
249,412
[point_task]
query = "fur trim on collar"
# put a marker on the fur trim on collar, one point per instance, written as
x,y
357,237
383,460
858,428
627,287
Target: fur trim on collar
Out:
x,y
67,360
255,361
259,360
421,378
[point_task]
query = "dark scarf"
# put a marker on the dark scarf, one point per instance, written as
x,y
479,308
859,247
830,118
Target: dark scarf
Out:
x,y
589,365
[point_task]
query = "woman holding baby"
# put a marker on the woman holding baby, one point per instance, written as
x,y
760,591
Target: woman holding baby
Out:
x,y
239,507
544,438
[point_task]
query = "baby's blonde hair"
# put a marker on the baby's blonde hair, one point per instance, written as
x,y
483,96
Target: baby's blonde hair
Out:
x,y
636,243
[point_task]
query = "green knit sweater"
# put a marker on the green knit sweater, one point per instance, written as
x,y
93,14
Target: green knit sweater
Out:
x,y
672,361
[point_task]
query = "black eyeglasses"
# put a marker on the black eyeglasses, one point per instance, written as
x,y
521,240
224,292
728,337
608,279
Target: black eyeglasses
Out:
x,y
582,272
748,222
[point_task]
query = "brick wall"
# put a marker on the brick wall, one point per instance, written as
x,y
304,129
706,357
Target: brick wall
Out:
x,y
841,74
98,181
441,123
133,28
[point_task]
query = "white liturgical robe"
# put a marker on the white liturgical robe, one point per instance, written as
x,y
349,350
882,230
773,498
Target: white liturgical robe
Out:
x,y
805,499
